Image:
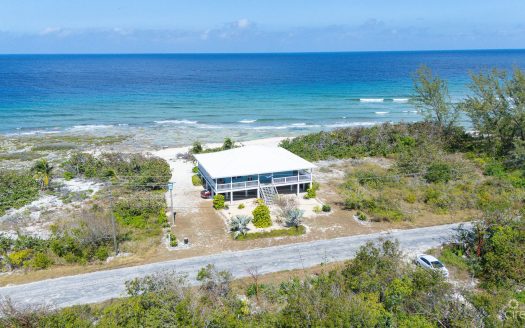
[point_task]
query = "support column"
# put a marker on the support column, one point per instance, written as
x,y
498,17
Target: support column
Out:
x,y
298,185
231,197
258,186
246,193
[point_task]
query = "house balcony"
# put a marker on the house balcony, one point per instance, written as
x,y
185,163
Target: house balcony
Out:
x,y
255,184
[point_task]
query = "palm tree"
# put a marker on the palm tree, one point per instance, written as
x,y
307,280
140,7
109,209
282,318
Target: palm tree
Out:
x,y
239,225
42,172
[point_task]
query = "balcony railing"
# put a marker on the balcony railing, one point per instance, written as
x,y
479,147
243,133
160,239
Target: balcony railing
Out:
x,y
237,185
292,179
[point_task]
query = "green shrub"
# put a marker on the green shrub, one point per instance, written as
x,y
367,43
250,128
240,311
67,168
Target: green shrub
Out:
x,y
317,209
241,206
326,208
361,216
196,180
437,198
196,148
379,140
40,261
359,202
173,239
195,169
439,172
102,253
142,172
494,168
310,193
17,188
261,217
138,212
373,177
453,257
68,175
252,289
19,258
410,197
218,202
72,258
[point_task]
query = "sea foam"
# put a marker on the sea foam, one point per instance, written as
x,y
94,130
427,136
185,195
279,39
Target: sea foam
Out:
x,y
247,121
400,100
371,100
176,122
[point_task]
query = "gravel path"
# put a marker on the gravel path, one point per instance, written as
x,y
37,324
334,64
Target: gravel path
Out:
x,y
103,285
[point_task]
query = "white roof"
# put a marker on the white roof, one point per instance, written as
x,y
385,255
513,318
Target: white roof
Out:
x,y
249,160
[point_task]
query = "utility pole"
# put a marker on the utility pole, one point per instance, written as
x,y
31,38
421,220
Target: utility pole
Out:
x,y
115,245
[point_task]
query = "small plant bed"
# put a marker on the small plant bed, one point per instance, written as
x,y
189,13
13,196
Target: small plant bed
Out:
x,y
300,230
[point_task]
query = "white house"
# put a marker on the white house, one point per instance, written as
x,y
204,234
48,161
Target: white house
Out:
x,y
260,171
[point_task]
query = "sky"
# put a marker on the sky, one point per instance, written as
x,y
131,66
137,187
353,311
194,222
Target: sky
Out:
x,y
173,26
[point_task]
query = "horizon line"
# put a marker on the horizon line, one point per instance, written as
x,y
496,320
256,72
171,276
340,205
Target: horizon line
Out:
x,y
254,52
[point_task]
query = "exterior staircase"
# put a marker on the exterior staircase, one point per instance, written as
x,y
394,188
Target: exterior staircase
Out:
x,y
268,193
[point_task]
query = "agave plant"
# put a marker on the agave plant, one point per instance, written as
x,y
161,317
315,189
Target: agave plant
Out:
x,y
42,172
294,217
239,225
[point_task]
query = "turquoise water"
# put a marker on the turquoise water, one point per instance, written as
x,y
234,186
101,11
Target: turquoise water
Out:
x,y
172,99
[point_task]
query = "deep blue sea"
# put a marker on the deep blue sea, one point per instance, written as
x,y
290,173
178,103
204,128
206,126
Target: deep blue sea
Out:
x,y
185,96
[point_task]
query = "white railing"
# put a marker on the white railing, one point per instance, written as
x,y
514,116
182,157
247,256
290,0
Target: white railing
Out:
x,y
237,185
292,179
254,184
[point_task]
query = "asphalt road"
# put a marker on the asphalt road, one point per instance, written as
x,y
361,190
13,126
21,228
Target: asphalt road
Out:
x,y
103,285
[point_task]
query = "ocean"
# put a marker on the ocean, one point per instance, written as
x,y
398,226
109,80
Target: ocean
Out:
x,y
174,99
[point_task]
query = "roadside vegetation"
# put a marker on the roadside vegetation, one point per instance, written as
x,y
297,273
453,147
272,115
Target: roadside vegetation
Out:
x,y
126,216
376,289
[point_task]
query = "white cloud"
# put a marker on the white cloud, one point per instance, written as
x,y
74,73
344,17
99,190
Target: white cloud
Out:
x,y
243,23
49,30
55,31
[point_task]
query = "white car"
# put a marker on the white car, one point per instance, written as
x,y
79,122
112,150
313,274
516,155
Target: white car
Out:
x,y
431,263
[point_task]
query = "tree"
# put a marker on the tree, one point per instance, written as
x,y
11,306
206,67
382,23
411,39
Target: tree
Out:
x,y
196,148
497,109
239,225
433,100
42,173
228,144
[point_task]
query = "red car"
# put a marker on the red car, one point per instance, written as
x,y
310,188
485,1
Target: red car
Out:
x,y
205,194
